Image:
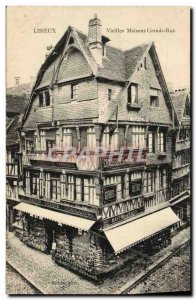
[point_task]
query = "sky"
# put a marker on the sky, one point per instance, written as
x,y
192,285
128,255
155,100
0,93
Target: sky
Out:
x,y
26,49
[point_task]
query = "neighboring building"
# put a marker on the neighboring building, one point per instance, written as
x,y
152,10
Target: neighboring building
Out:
x,y
181,157
90,94
15,108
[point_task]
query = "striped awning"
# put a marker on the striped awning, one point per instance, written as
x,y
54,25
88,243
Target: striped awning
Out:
x,y
131,233
73,221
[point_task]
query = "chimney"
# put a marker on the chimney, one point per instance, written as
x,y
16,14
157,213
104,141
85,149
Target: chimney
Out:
x,y
95,39
48,50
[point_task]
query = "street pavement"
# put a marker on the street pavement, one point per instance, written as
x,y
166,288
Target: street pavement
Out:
x,y
56,280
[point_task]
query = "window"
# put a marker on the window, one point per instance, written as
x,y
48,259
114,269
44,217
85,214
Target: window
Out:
x,y
29,146
114,140
55,188
133,94
161,142
106,138
145,65
163,178
49,145
42,140
41,100
47,98
44,98
151,142
67,138
138,136
135,183
74,91
91,139
89,190
35,184
109,94
154,99
149,182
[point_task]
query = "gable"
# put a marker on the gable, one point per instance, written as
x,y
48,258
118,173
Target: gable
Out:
x,y
73,66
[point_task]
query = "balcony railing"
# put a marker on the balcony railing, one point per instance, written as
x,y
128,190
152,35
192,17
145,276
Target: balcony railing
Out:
x,y
11,169
182,145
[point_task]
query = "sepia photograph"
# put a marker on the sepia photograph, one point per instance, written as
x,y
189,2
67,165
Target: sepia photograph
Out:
x,y
98,150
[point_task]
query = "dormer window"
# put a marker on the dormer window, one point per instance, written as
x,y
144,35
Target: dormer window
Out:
x,y
74,91
133,94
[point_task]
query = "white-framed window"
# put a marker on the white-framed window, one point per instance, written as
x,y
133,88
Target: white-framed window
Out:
x,y
42,140
151,142
106,138
114,140
133,93
74,91
91,138
138,137
90,191
161,142
67,138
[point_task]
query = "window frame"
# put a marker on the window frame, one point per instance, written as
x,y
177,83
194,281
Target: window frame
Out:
x,y
74,91
130,94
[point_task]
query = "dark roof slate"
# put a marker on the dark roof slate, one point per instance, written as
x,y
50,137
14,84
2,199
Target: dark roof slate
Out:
x,y
11,134
179,100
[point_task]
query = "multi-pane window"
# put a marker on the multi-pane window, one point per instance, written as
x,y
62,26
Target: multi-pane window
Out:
x,y
67,138
35,184
133,94
151,142
91,139
49,145
55,188
74,91
149,181
154,98
138,137
161,142
135,183
117,180
89,190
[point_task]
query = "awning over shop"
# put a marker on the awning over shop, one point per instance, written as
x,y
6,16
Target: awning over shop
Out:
x,y
58,217
128,234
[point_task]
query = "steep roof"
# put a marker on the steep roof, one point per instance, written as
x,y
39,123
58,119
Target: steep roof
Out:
x,y
12,134
16,104
179,100
19,90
